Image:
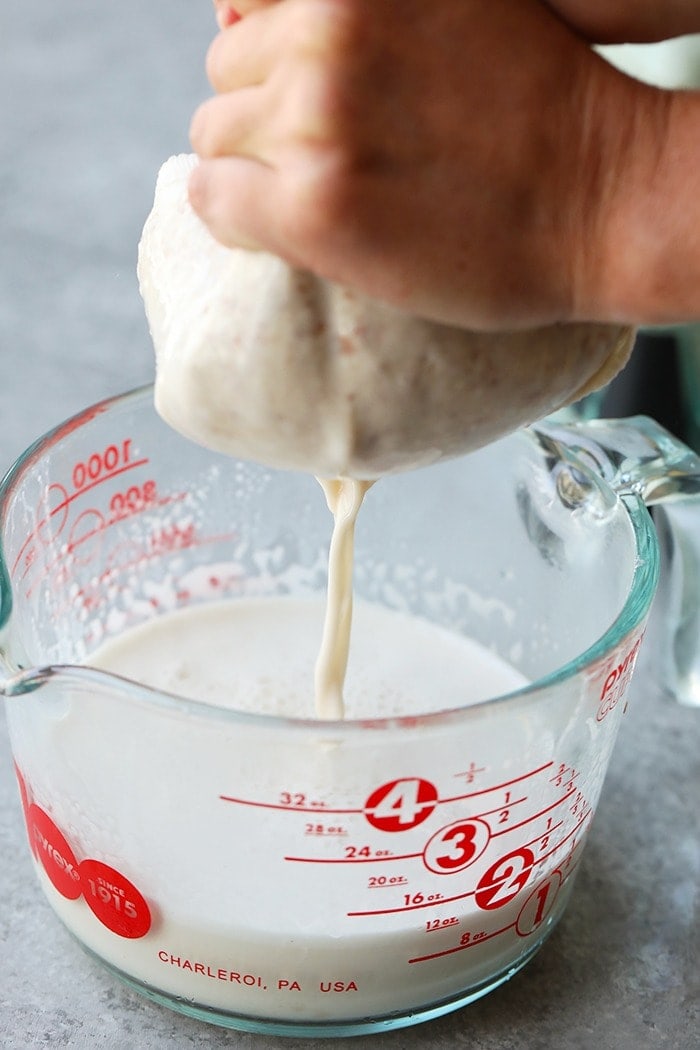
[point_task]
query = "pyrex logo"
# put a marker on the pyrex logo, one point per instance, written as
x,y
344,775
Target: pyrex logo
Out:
x,y
617,680
111,896
55,857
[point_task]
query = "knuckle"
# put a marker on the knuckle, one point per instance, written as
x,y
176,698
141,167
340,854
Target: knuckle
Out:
x,y
215,62
218,127
206,129
198,129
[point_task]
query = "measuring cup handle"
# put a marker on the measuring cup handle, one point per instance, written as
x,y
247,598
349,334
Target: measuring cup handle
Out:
x,y
638,457
677,606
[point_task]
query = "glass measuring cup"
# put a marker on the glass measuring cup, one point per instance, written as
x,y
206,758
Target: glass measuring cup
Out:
x,y
303,877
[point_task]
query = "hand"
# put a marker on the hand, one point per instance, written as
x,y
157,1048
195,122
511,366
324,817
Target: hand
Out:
x,y
473,162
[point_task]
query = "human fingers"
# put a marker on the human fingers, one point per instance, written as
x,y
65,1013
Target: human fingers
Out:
x,y
229,125
235,197
244,54
307,32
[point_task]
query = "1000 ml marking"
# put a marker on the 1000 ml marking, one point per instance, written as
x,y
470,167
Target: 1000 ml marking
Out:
x,y
103,466
100,465
52,511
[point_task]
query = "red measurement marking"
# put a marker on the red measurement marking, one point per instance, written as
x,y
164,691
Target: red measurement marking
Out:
x,y
547,834
352,860
571,868
399,805
470,893
535,816
504,809
566,838
288,808
412,907
504,880
64,504
54,491
291,808
389,884
538,905
470,774
104,477
184,539
333,833
499,787
462,947
443,924
565,773
71,547
457,846
87,526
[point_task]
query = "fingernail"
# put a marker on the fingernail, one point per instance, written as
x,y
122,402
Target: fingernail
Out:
x,y
226,16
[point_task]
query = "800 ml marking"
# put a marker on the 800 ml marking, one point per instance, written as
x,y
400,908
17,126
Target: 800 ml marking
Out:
x,y
135,499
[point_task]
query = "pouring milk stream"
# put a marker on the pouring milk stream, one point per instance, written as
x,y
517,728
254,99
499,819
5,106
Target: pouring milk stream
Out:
x,y
260,361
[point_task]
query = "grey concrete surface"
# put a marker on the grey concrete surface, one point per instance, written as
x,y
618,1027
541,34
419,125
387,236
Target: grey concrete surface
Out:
x,y
92,98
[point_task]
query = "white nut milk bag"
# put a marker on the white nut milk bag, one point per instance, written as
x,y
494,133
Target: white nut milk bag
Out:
x,y
264,362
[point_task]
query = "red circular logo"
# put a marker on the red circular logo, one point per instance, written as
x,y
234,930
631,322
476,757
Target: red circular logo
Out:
x,y
111,897
114,900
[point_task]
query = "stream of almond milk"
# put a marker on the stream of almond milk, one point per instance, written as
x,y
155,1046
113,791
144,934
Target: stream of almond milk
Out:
x,y
344,497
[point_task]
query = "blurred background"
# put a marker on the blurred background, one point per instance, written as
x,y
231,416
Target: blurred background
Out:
x,y
93,98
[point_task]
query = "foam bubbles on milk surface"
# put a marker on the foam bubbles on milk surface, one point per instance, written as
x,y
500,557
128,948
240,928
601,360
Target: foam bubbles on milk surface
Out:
x,y
255,654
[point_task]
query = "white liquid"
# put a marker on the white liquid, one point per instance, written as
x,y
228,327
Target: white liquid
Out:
x,y
344,497
257,654
254,909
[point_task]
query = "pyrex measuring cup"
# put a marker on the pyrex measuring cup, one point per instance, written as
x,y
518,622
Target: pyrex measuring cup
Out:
x,y
304,877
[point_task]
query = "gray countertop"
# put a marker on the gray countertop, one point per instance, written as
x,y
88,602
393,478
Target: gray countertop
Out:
x,y
93,98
